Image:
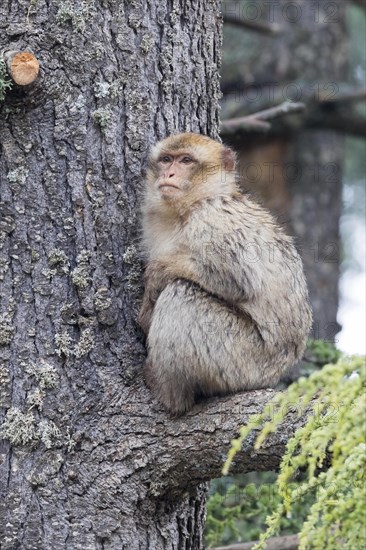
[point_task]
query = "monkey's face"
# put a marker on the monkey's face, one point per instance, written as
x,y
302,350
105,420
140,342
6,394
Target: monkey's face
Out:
x,y
188,166
176,173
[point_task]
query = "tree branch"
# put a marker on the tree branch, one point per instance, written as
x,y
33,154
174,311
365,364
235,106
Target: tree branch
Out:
x,y
251,25
345,95
324,113
360,3
197,443
273,93
255,121
346,123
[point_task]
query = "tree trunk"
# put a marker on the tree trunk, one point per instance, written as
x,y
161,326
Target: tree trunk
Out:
x,y
85,458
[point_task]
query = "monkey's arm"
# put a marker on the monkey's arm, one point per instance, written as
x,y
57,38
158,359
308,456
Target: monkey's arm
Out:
x,y
222,253
212,272
231,251
158,274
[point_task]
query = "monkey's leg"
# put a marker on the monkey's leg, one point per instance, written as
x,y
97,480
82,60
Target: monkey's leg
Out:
x,y
173,390
198,346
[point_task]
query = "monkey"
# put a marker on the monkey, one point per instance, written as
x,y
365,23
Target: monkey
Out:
x,y
225,307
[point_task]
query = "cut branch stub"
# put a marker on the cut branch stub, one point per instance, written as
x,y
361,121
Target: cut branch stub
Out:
x,y
23,67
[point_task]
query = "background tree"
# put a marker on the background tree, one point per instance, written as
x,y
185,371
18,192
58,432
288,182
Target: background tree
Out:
x,y
329,91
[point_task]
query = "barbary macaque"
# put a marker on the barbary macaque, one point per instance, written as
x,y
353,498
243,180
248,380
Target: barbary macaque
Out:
x,y
226,303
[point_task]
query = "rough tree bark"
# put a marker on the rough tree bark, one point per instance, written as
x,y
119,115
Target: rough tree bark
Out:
x,y
87,459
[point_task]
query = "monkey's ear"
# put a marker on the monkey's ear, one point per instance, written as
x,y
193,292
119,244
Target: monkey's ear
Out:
x,y
228,159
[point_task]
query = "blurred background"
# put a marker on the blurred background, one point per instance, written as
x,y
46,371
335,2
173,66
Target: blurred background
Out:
x,y
301,65
309,166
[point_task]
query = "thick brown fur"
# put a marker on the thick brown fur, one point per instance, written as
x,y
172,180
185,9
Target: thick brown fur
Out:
x,y
226,302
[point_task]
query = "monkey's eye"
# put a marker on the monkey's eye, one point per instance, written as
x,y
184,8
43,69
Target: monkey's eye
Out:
x,y
187,160
165,159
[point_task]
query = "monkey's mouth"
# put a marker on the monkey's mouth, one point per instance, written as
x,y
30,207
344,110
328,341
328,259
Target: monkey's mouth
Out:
x,y
167,187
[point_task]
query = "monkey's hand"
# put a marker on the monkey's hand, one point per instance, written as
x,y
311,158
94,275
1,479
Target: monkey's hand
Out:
x,y
154,284
158,274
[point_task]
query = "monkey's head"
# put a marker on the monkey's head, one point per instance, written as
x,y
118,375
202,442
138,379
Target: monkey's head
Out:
x,y
187,167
